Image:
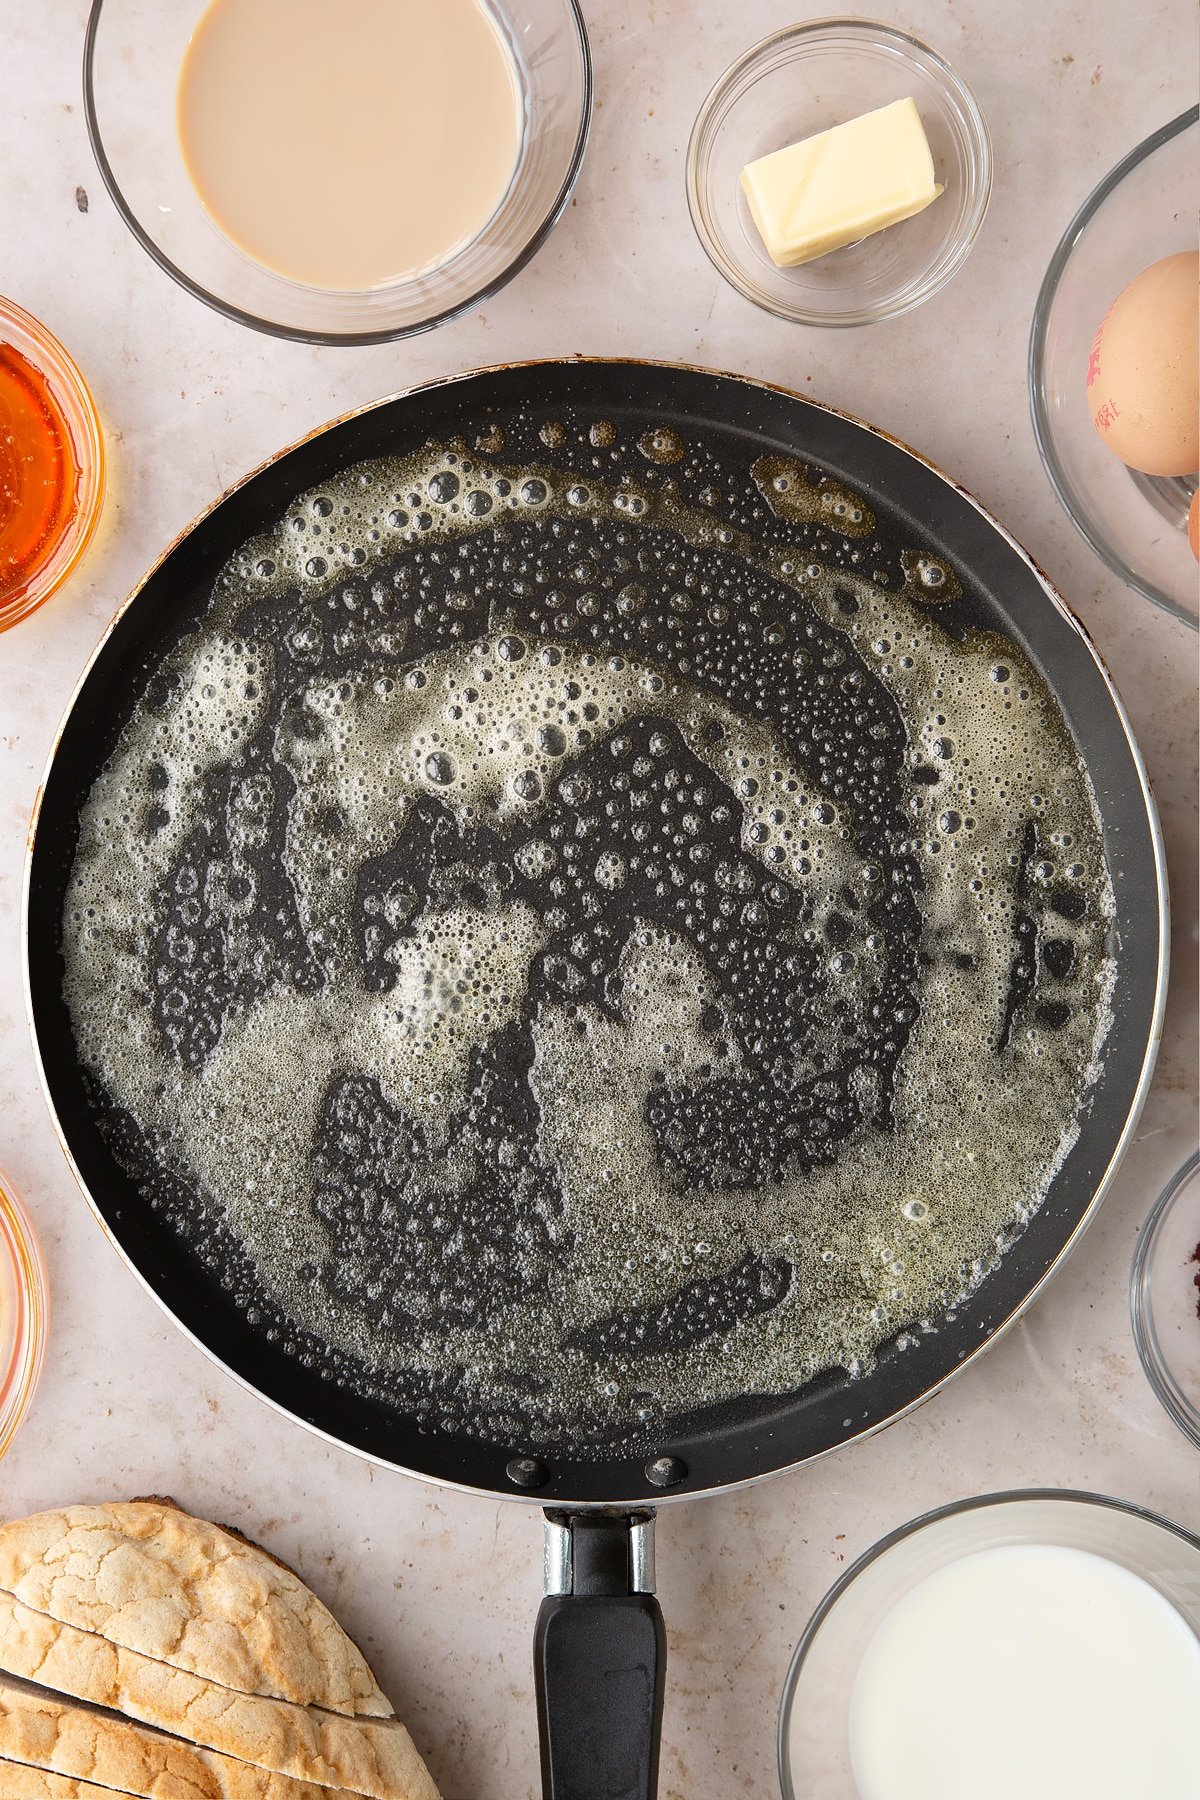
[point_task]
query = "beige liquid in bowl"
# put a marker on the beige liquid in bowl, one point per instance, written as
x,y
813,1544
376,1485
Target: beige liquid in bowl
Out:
x,y
349,143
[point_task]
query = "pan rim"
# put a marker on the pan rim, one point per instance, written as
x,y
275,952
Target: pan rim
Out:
x,y
1145,1073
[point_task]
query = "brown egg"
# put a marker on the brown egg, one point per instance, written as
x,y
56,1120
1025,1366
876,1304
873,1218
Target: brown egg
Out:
x,y
1194,524
1143,375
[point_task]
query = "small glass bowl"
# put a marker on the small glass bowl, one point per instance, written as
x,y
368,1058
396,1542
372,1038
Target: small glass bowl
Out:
x,y
1142,211
132,54
814,1746
803,80
24,1313
1165,1298
31,339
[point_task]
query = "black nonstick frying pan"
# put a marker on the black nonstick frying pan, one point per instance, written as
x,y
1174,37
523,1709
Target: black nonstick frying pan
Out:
x,y
656,435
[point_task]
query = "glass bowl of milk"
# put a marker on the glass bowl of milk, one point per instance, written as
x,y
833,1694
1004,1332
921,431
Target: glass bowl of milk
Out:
x,y
339,171
1041,1644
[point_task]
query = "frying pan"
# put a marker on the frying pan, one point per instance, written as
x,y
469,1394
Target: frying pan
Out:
x,y
600,1645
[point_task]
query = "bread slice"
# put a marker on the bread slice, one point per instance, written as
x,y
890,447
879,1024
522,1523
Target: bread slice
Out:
x,y
154,1579
47,1732
19,1782
373,1757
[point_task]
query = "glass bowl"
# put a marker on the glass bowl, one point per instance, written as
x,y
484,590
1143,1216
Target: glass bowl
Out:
x,y
63,550
814,1748
132,55
1142,211
803,80
1165,1298
24,1313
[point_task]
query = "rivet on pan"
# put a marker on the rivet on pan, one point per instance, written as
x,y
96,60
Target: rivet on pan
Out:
x,y
666,1471
527,1472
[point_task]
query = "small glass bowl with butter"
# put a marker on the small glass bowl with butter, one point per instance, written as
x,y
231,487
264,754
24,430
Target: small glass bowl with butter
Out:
x,y
808,79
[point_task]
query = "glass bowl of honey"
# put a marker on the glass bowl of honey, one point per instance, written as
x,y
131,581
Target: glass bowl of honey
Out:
x,y
338,175
51,464
24,1313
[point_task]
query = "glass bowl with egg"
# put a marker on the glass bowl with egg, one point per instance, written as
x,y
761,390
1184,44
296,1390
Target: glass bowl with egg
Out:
x,y
1165,1298
1134,518
338,175
1036,1642
808,79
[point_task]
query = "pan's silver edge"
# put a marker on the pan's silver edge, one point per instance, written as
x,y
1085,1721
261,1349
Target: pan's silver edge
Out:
x,y
659,1499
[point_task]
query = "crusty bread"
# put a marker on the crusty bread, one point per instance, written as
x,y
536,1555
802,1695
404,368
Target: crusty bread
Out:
x,y
19,1782
62,1736
181,1591
373,1757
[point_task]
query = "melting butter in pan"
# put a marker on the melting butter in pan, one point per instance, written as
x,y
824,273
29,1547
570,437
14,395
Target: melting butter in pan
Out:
x,y
583,959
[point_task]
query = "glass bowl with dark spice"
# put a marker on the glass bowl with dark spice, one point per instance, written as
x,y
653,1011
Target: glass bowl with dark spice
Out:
x,y
1165,1297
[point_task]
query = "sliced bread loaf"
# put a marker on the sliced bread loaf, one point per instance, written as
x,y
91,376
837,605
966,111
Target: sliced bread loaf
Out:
x,y
67,1738
154,1579
374,1757
19,1782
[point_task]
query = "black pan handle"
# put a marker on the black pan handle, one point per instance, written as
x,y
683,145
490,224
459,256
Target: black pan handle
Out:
x,y
600,1659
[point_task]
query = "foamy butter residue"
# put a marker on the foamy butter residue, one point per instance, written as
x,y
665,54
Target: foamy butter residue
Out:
x,y
573,940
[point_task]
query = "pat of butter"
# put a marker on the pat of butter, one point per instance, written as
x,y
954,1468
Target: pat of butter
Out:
x,y
841,184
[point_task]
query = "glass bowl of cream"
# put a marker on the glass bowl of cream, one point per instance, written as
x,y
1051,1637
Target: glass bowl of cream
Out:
x,y
1039,1642
339,175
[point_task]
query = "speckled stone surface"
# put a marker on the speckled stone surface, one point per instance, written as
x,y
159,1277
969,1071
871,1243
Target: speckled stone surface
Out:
x,y
440,1588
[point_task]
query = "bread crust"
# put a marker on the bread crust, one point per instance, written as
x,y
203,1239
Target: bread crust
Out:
x,y
48,1732
374,1757
19,1782
155,1580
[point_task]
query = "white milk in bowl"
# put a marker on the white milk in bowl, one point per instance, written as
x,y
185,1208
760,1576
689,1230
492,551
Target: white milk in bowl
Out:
x,y
1029,1672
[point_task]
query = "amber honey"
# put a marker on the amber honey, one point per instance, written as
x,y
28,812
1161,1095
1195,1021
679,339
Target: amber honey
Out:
x,y
39,472
51,464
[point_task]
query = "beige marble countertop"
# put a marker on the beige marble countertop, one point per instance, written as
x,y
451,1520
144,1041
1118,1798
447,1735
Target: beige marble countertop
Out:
x,y
442,1589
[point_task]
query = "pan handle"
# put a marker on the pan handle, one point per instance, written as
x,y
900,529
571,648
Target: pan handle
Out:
x,y
600,1658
